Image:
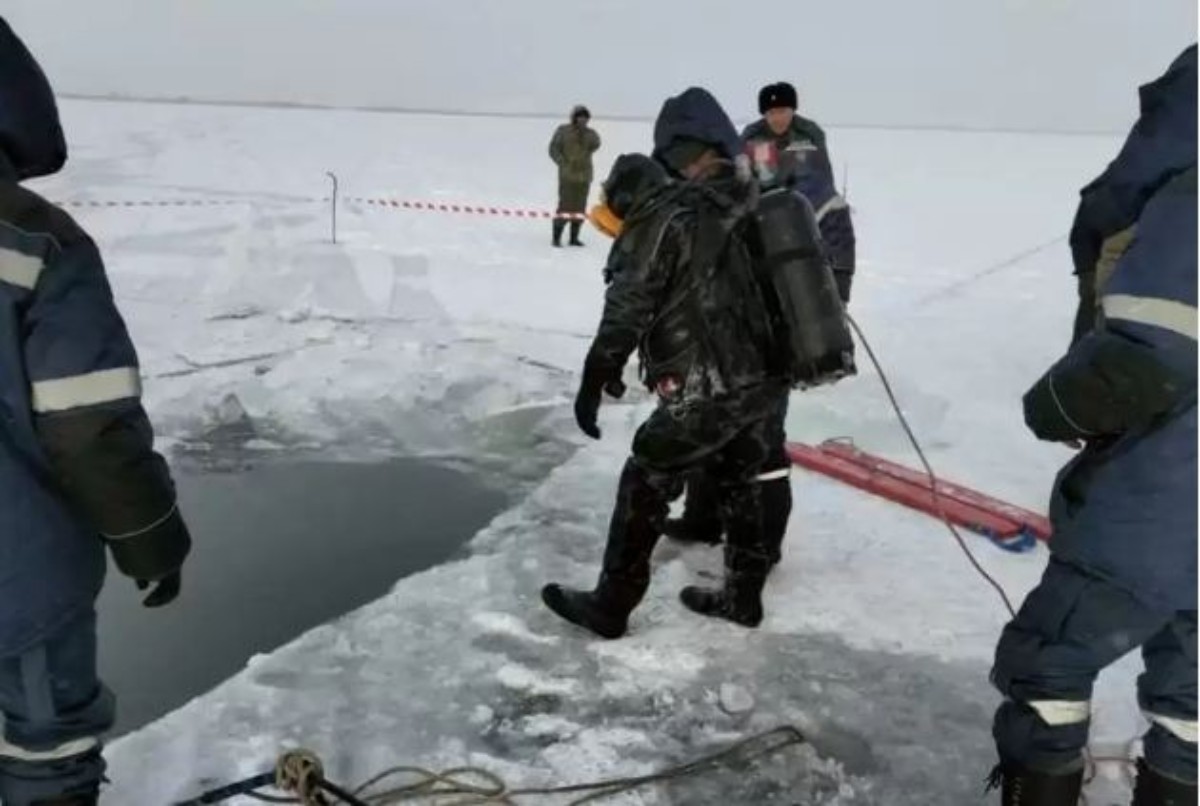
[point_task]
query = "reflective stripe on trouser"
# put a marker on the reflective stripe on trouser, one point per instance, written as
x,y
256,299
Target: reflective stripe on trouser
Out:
x,y
1057,713
55,711
75,747
1183,729
774,475
1071,627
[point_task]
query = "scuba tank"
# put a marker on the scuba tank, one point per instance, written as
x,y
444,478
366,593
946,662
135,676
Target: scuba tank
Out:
x,y
811,341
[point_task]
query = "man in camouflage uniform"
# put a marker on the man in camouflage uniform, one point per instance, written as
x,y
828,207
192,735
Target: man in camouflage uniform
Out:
x,y
572,148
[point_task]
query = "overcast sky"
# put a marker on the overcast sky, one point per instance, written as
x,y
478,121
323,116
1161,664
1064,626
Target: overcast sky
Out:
x,y
1022,64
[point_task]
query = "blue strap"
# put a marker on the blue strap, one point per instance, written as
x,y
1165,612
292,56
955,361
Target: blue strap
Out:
x,y
1020,543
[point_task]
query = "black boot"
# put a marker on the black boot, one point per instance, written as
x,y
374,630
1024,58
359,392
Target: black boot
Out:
x,y
558,226
576,225
637,522
605,610
1024,787
739,601
747,560
1155,789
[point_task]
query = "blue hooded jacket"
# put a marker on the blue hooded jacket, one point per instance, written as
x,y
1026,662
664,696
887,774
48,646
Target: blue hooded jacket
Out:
x,y
1125,508
77,466
1161,144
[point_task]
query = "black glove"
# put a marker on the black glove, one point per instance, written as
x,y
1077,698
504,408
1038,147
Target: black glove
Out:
x,y
1045,415
166,590
1105,386
597,379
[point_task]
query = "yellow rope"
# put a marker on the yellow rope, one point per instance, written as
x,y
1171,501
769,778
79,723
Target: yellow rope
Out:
x,y
300,773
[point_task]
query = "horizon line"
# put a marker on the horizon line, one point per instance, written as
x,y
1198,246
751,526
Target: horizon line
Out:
x,y
313,106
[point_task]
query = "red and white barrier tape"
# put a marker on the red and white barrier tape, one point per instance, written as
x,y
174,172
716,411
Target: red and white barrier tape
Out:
x,y
468,209
398,204
152,203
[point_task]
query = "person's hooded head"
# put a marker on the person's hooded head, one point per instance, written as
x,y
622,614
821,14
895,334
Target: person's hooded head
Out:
x,y
632,178
693,132
580,116
31,136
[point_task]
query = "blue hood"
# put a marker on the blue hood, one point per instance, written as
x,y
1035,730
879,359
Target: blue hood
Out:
x,y
1173,98
31,137
696,116
1180,77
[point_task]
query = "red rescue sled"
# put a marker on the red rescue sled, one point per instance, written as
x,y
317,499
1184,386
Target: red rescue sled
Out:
x,y
1010,527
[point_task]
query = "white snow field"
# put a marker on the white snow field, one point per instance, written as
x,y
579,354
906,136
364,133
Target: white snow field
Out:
x,y
460,335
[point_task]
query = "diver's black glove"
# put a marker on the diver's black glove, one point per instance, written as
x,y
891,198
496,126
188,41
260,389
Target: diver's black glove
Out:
x,y
597,379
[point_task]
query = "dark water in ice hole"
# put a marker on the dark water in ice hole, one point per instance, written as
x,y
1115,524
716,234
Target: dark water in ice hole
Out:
x,y
279,548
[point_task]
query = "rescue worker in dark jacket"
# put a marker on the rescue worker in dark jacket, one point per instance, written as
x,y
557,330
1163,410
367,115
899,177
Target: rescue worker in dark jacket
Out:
x,y
571,149
682,297
78,471
790,150
787,150
1122,572
1109,206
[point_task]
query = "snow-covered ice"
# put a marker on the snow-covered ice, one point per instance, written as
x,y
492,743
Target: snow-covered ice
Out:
x,y
459,337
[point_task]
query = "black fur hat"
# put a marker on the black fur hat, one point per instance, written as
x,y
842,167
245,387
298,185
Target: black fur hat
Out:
x,y
777,96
